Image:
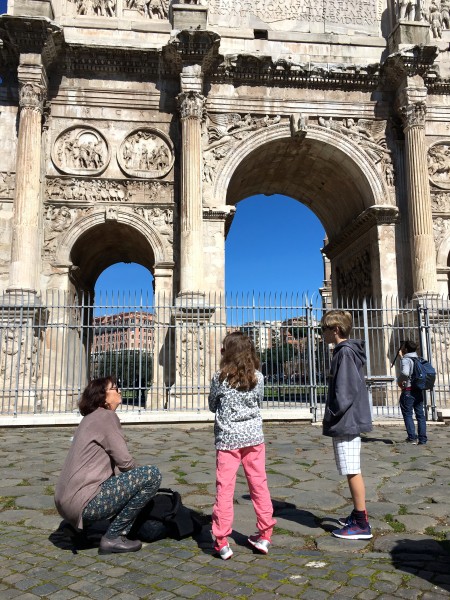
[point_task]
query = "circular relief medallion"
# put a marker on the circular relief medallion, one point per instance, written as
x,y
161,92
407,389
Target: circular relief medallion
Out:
x,y
146,153
81,150
439,164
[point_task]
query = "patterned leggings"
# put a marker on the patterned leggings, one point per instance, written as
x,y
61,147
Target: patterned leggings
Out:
x,y
122,497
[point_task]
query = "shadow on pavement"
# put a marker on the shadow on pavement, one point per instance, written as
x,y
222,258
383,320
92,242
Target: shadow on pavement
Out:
x,y
289,512
427,558
364,439
67,537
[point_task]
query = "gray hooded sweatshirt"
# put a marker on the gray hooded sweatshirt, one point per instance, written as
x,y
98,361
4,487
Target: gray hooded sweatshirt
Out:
x,y
347,411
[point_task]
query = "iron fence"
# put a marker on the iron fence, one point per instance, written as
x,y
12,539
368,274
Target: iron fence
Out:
x,y
164,353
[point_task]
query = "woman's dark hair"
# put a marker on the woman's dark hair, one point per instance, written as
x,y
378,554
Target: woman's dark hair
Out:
x,y
409,346
239,361
94,394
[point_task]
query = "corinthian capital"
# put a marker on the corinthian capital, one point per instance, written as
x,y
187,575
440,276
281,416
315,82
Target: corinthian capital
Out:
x,y
412,105
413,115
31,95
32,82
191,104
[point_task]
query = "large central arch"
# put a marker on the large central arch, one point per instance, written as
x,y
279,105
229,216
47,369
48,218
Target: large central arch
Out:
x,y
338,180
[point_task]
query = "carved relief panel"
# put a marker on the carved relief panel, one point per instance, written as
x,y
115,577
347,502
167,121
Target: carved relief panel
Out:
x,y
440,202
148,9
146,153
354,279
80,151
7,185
439,164
221,134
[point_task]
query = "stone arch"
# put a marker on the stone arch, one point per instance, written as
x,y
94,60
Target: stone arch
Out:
x,y
149,242
360,177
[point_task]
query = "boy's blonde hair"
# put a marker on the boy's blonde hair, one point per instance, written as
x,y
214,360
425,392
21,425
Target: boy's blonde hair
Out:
x,y
341,319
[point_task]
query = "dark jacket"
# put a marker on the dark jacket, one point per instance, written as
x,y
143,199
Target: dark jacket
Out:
x,y
347,411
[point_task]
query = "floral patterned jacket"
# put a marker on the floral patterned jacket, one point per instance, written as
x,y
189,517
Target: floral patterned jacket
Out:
x,y
238,422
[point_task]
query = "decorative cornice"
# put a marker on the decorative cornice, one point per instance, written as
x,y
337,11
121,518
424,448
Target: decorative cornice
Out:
x,y
250,68
372,216
190,47
80,60
30,35
409,62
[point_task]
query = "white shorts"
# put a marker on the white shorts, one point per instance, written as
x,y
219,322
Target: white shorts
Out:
x,y
347,453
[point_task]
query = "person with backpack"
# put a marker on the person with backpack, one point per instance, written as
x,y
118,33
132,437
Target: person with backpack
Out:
x,y
237,390
412,397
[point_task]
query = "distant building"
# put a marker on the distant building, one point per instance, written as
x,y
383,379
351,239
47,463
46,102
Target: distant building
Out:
x,y
123,331
263,333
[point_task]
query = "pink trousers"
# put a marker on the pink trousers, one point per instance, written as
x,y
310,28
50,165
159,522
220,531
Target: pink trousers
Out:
x,y
253,459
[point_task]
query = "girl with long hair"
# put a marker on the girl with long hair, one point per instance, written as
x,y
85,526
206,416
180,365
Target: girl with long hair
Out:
x,y
237,390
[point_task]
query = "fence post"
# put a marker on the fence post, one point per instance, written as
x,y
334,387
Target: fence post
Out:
x,y
368,365
311,359
423,320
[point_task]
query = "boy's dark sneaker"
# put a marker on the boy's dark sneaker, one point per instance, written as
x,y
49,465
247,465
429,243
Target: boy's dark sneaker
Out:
x,y
344,521
352,531
410,441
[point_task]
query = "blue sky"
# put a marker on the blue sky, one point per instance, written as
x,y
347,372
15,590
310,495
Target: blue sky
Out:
x,y
2,6
273,246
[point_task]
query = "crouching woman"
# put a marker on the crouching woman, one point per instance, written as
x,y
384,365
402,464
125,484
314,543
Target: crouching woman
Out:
x,y
88,488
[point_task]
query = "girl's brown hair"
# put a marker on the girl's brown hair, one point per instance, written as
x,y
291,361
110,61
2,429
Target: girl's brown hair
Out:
x,y
94,395
239,362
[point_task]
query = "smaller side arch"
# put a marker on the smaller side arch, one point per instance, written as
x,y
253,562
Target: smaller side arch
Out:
x,y
101,216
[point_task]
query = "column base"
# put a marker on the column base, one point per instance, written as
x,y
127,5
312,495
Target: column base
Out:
x,y
20,298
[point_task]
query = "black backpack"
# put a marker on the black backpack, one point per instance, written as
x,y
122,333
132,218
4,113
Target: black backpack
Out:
x,y
164,516
423,375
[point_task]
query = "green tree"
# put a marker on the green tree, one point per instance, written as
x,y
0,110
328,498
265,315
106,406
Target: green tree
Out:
x,y
133,368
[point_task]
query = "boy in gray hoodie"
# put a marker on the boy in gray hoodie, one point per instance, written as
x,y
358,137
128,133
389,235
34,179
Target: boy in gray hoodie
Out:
x,y
347,415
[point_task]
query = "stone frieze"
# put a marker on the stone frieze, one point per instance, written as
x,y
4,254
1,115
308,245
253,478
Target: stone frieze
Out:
x,y
79,190
149,9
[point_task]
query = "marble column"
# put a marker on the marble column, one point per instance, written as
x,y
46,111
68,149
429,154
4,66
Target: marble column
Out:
x,y
25,246
191,105
423,252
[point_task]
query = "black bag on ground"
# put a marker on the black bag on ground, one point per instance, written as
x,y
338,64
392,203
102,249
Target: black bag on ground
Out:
x,y
164,516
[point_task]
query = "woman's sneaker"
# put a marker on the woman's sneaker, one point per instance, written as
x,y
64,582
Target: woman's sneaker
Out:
x,y
225,552
259,543
352,531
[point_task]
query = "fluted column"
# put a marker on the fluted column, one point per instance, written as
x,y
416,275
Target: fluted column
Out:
x,y
423,252
191,105
25,249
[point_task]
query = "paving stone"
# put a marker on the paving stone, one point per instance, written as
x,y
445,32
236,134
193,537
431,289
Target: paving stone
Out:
x,y
14,516
186,568
37,501
412,544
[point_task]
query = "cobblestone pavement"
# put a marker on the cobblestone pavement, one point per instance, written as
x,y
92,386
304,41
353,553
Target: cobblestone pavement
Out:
x,y
408,501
